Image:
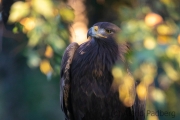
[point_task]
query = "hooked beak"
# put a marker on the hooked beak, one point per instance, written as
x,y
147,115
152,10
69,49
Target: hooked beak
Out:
x,y
95,32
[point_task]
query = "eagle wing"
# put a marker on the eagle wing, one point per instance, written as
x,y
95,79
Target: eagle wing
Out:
x,y
65,79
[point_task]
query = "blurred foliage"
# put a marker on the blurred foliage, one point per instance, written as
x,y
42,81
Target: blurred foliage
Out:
x,y
155,53
44,23
152,30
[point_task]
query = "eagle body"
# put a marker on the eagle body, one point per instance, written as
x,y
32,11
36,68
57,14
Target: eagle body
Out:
x,y
86,78
91,94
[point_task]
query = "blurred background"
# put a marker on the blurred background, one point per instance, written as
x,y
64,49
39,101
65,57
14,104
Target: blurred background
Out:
x,y
35,33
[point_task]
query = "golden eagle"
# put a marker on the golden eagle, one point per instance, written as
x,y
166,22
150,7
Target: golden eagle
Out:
x,y
86,78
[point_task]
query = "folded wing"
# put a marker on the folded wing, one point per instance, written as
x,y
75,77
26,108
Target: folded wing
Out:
x,y
65,79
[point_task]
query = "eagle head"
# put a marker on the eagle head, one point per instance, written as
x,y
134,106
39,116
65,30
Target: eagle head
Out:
x,y
103,30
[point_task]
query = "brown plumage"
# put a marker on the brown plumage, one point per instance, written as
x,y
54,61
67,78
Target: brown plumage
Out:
x,y
86,78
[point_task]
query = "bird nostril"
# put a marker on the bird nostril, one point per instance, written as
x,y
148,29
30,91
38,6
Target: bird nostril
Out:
x,y
96,28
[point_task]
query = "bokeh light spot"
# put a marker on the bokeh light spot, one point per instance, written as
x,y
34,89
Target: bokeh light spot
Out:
x,y
152,19
79,32
149,43
33,60
158,95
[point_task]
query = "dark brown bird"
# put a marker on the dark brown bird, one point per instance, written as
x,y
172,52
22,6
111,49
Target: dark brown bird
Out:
x,y
86,79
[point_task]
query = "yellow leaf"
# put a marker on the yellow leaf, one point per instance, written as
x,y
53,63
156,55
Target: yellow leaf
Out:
x,y
117,72
49,52
178,38
173,51
127,91
67,14
28,23
117,75
166,29
163,39
171,72
141,91
43,7
18,10
167,2
148,79
163,29
152,117
45,67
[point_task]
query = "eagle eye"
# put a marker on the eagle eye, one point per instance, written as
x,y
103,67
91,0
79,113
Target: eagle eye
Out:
x,y
108,31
